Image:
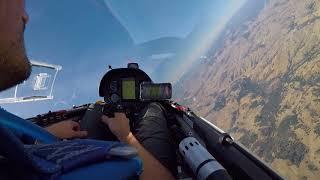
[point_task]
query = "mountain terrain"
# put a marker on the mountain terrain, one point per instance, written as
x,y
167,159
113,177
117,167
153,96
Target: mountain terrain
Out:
x,y
261,83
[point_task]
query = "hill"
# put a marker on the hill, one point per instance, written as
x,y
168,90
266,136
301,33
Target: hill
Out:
x,y
262,84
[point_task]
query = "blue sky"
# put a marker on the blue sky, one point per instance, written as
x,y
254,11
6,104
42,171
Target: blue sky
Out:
x,y
84,36
153,19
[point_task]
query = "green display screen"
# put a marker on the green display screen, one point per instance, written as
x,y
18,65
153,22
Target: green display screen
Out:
x,y
151,91
154,92
128,89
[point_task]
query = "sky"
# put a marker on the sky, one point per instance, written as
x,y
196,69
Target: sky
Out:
x,y
148,20
85,36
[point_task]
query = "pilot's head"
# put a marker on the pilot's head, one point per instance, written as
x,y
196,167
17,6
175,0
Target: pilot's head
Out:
x,y
14,64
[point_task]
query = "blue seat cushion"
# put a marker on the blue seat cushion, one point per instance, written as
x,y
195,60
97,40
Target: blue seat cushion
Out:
x,y
111,169
81,158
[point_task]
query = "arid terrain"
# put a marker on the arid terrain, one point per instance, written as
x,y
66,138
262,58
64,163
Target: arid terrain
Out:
x,y
261,83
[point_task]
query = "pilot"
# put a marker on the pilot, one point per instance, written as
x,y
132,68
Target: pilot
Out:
x,y
151,138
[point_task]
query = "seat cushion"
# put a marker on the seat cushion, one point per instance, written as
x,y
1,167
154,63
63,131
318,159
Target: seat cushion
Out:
x,y
111,169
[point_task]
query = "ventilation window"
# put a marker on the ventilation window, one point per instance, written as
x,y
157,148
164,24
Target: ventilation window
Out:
x,y
191,144
184,153
186,147
196,143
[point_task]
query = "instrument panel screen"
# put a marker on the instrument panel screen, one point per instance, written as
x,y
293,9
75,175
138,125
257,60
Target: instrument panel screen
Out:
x,y
152,91
128,89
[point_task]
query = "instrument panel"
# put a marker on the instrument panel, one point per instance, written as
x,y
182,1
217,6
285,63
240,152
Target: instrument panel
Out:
x,y
123,85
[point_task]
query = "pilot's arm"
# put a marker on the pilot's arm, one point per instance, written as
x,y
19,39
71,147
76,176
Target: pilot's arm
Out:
x,y
153,169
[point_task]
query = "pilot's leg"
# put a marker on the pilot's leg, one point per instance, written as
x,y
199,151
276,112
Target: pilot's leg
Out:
x,y
152,132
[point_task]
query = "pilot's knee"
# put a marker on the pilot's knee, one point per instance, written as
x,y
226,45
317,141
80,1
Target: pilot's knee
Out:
x,y
154,109
156,106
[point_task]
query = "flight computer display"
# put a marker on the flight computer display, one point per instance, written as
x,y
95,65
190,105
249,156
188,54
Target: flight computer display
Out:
x,y
128,89
152,91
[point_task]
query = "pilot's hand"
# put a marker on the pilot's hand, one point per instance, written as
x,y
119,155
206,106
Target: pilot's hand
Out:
x,y
66,130
119,125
